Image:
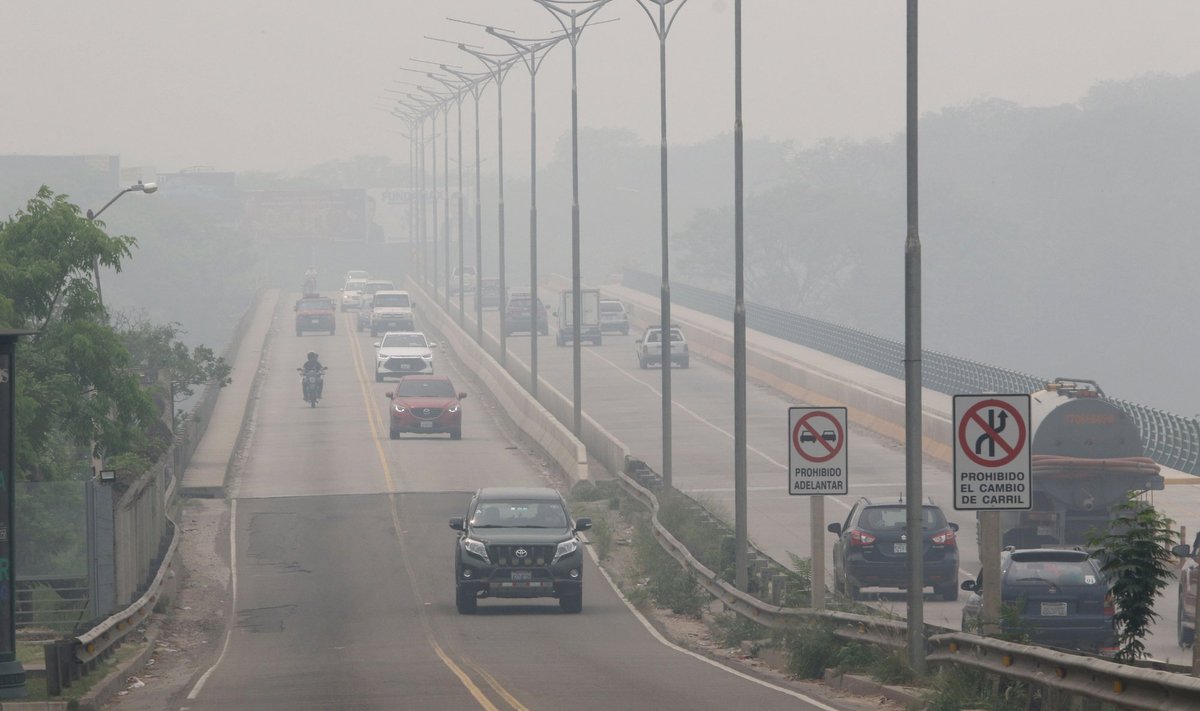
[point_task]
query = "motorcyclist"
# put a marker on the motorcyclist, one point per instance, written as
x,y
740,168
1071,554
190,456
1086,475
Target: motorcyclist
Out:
x,y
313,364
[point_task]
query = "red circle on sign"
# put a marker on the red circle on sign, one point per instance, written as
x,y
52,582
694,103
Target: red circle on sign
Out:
x,y
1009,452
802,424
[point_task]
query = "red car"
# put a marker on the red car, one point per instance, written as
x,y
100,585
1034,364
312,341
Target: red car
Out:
x,y
426,404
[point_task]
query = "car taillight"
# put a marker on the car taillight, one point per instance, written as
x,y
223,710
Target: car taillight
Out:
x,y
1110,605
945,538
859,537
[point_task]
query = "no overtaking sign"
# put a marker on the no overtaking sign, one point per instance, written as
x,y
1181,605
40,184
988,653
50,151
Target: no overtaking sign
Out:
x,y
992,453
817,451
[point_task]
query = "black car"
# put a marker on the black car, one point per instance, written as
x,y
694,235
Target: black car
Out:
x,y
518,320
872,548
1058,598
518,543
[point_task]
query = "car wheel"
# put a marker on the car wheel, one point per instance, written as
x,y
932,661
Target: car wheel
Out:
x,y
394,434
853,591
949,591
1186,637
642,363
465,601
572,603
599,341
456,433
378,378
624,331
684,363
299,332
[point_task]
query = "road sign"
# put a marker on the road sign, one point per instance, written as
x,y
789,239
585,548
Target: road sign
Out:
x,y
817,451
992,453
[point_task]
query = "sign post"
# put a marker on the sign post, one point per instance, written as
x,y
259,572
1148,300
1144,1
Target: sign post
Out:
x,y
992,473
817,466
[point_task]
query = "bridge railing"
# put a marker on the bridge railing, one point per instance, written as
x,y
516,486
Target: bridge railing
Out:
x,y
1172,440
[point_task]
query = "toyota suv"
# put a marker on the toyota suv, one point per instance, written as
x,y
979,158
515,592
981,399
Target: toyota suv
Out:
x,y
871,549
391,311
518,543
402,353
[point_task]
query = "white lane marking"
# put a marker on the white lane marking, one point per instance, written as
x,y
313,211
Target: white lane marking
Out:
x,y
663,640
233,600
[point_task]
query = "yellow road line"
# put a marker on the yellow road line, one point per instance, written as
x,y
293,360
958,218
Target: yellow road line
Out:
x,y
376,424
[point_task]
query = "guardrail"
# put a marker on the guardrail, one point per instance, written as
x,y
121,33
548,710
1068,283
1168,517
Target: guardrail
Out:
x,y
1172,440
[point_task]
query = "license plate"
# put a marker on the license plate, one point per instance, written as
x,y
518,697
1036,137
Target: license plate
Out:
x,y
316,320
427,425
1054,609
522,575
404,366
900,548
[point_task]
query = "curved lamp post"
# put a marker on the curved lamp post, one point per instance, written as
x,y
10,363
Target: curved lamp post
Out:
x,y
531,52
140,187
573,16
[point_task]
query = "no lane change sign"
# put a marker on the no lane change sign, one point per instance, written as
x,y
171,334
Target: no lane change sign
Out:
x,y
817,451
992,453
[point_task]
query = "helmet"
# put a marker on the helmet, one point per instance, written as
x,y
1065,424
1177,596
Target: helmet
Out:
x,y
312,355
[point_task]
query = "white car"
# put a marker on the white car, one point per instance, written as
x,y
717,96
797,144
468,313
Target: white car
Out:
x,y
403,353
352,293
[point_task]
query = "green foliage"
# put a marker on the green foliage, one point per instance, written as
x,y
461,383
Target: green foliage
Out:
x,y
155,347
1135,555
960,687
668,584
703,537
731,629
799,582
811,648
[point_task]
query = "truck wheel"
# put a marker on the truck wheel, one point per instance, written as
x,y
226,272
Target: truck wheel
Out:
x,y
571,603
465,601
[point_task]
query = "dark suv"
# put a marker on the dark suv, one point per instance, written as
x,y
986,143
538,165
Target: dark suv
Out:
x,y
1058,597
872,548
518,543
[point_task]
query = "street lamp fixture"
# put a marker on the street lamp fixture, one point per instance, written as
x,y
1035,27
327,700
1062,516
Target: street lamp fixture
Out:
x,y
139,187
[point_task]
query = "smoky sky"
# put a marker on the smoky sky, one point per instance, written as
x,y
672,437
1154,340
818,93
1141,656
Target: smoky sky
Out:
x,y
284,84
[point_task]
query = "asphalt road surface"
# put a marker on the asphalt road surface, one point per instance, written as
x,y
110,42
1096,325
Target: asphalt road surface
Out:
x,y
343,590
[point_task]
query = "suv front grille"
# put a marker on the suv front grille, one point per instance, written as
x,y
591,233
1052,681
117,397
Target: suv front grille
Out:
x,y
426,413
404,365
534,555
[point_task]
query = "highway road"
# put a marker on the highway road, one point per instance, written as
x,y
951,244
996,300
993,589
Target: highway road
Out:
x,y
342,583
626,401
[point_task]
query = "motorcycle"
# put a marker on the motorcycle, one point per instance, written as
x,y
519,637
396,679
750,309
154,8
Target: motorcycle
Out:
x,y
314,383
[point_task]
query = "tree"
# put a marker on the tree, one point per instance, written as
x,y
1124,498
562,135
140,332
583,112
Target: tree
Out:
x,y
1135,555
156,347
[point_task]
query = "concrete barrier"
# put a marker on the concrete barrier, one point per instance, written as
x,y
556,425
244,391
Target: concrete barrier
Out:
x,y
535,420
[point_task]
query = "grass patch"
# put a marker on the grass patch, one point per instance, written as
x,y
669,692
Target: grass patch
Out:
x,y
955,688
811,648
667,584
601,535
731,629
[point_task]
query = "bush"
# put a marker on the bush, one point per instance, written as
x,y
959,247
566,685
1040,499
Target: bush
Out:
x,y
956,688
668,584
731,629
602,536
811,648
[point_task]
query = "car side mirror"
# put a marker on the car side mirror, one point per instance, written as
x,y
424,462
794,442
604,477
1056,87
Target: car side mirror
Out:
x,y
413,305
388,394
954,527
375,345
583,524
1182,550
433,345
457,523
834,528
462,396
970,586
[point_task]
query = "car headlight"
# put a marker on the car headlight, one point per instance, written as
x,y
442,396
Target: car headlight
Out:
x,y
453,408
398,408
427,356
476,548
566,548
381,356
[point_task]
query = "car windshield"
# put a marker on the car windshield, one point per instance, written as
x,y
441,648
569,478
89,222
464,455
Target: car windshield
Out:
x,y
374,286
403,340
354,285
519,514
425,388
611,307
1058,572
390,300
314,304
883,518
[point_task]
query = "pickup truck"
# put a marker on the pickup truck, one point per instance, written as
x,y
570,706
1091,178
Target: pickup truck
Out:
x,y
649,348
315,313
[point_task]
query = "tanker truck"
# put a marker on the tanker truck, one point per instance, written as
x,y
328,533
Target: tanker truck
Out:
x,y
1087,457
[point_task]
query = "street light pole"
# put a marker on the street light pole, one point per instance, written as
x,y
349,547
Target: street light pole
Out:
x,y
498,65
741,577
912,367
139,187
662,26
529,50
573,16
